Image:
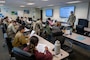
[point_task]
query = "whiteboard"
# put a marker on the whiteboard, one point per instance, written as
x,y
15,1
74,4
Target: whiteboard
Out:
x,y
20,13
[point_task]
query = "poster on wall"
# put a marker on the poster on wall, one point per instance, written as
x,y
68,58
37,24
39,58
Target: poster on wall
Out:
x,y
14,13
20,13
26,11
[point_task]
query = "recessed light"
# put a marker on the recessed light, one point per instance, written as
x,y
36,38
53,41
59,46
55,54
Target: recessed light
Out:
x,y
2,1
44,0
22,6
73,2
50,5
30,3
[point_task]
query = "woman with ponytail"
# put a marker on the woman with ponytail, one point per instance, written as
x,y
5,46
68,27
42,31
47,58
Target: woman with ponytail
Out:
x,y
31,48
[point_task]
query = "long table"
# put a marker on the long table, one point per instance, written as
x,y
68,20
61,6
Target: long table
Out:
x,y
75,35
87,29
63,54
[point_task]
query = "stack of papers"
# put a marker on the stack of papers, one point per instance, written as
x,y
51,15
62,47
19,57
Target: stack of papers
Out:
x,y
41,47
26,30
33,32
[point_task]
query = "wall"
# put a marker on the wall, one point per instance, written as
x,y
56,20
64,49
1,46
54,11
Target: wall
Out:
x,y
89,15
81,11
6,11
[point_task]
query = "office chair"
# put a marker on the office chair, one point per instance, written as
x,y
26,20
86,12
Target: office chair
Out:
x,y
61,38
66,47
80,29
83,22
9,45
22,55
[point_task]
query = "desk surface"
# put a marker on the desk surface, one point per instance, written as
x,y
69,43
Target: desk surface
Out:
x,y
87,29
62,52
74,35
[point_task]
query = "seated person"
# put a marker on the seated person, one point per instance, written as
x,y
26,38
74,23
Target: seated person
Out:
x,y
29,20
48,31
57,29
50,21
31,48
19,39
11,29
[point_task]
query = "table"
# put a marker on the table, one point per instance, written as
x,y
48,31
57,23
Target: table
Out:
x,y
86,41
65,24
62,54
87,29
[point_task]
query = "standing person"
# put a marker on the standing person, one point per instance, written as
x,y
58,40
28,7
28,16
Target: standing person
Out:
x,y
31,48
50,21
38,26
72,19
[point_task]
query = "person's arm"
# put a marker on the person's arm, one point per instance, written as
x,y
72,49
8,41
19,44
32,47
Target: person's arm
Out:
x,y
13,28
47,53
46,56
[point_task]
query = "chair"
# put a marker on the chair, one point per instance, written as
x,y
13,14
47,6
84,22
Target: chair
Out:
x,y
83,22
67,48
9,45
22,55
80,29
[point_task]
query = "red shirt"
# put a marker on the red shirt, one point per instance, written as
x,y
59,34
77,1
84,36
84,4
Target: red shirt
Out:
x,y
41,56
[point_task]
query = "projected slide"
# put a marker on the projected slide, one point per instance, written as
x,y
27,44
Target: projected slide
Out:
x,y
49,12
65,11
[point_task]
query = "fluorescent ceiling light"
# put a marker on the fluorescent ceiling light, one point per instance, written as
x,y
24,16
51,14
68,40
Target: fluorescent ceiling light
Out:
x,y
30,3
73,2
2,1
51,5
44,0
22,6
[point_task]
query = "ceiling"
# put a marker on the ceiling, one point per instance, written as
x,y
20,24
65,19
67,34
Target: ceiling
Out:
x,y
38,3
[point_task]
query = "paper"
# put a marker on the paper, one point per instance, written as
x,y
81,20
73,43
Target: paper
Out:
x,y
80,38
26,30
32,33
41,47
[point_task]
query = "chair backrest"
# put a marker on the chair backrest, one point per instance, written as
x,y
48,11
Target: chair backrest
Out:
x,y
80,29
59,36
9,44
83,22
22,55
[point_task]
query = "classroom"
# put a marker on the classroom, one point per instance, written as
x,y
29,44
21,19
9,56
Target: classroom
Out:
x,y
45,29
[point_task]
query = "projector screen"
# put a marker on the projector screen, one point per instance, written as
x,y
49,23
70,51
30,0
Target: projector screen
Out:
x,y
65,11
49,12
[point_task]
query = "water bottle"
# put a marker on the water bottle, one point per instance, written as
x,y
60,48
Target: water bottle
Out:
x,y
57,47
71,31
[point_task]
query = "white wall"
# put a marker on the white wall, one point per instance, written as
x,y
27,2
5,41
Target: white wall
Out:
x,y
81,11
6,11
